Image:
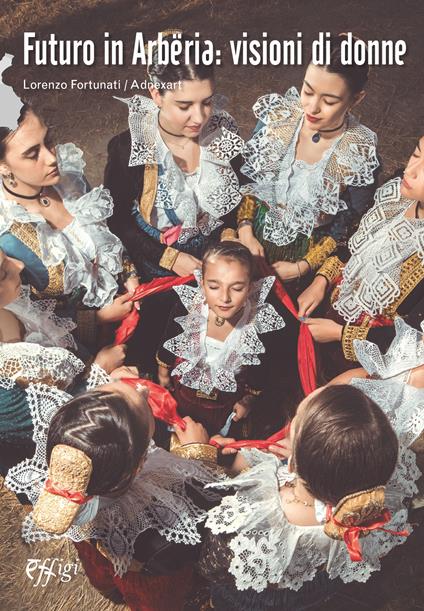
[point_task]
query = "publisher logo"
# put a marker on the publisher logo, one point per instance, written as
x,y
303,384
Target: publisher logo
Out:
x,y
42,571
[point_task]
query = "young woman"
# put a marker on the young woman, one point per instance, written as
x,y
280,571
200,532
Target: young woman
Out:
x,y
34,348
97,479
378,277
312,167
51,221
220,364
173,180
290,533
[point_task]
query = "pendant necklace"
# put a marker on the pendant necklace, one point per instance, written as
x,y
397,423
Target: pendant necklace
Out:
x,y
219,321
43,200
317,136
295,498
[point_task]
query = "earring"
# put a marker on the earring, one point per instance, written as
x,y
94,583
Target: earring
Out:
x,y
10,177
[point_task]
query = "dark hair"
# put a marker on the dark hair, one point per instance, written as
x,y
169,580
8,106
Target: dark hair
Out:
x,y
231,250
5,131
355,75
107,430
185,71
344,444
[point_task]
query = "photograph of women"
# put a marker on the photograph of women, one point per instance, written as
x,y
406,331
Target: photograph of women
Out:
x,y
211,305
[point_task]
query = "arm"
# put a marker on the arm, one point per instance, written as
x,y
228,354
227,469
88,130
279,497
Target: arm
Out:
x,y
126,185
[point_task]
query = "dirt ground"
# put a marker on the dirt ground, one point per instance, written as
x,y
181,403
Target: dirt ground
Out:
x,y
394,108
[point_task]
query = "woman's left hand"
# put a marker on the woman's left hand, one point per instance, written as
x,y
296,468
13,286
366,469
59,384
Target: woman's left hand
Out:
x,y
324,330
193,433
290,271
131,284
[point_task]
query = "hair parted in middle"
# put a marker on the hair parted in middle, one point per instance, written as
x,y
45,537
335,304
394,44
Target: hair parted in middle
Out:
x,y
232,251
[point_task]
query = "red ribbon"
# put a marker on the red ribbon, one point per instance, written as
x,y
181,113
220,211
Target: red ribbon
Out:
x,y
129,324
162,403
352,533
305,346
76,497
260,444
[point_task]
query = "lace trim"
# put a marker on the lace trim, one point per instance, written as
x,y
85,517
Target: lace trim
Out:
x,y
268,549
157,497
404,353
384,240
269,158
93,255
216,191
42,325
97,377
241,347
32,362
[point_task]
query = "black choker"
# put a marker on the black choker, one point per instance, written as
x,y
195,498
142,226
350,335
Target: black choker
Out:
x,y
44,201
317,136
170,133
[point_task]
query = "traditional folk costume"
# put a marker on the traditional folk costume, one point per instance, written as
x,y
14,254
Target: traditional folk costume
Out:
x,y
44,356
161,211
162,507
78,265
266,556
380,276
388,380
210,376
301,210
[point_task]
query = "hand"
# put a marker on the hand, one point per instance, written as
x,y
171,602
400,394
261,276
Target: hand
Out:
x,y
125,372
248,239
242,408
117,310
312,296
222,442
194,432
111,357
131,284
290,271
164,377
281,449
186,264
324,330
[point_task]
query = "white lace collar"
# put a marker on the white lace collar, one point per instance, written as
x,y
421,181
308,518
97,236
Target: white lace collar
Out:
x,y
270,154
215,193
242,346
267,549
404,353
383,241
156,499
389,387
41,324
92,254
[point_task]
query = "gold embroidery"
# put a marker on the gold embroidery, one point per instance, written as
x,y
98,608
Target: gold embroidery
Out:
x,y
169,257
228,234
331,269
197,451
356,509
247,209
128,268
148,196
351,332
212,397
162,363
27,233
411,274
317,255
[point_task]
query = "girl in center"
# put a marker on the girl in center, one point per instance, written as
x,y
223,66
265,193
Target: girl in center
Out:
x,y
231,332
